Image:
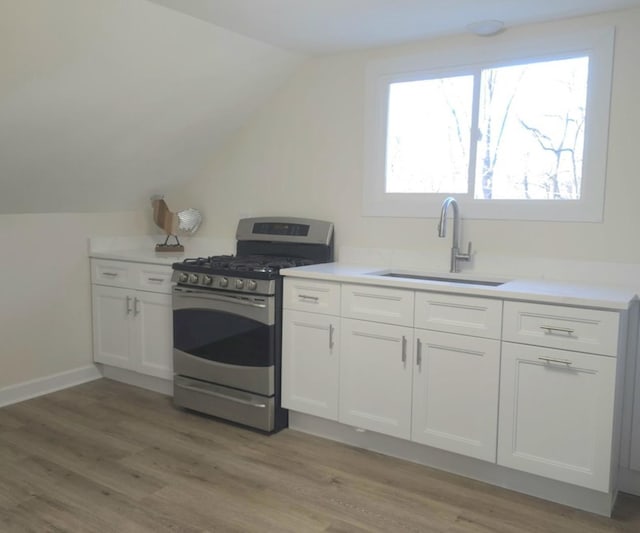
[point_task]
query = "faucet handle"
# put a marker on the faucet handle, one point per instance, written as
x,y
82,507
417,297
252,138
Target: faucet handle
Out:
x,y
465,256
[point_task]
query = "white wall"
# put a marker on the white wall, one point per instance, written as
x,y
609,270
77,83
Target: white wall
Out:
x,y
103,102
303,155
45,292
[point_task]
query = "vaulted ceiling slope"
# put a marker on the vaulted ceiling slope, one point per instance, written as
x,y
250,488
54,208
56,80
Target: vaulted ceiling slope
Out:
x,y
321,26
103,103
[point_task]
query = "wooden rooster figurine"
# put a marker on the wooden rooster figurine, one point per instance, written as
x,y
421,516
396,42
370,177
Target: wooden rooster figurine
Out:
x,y
187,221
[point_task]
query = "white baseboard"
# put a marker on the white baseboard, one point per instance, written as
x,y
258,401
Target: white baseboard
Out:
x,y
38,387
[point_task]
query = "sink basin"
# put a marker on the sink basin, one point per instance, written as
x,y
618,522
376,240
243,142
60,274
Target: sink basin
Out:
x,y
401,275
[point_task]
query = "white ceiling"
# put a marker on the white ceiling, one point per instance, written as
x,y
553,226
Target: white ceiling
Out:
x,y
320,26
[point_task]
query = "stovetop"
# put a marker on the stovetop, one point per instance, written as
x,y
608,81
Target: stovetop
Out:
x,y
253,274
248,266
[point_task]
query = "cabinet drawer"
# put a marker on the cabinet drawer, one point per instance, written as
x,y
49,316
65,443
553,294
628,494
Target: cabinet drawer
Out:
x,y
479,317
311,295
585,330
379,304
154,278
114,273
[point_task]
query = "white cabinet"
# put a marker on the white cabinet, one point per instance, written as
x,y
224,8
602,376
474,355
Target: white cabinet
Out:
x,y
376,365
565,328
310,363
311,347
455,393
557,414
132,328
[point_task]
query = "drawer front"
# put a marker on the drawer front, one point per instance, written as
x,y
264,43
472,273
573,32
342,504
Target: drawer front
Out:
x,y
378,304
154,278
114,273
479,317
567,328
311,295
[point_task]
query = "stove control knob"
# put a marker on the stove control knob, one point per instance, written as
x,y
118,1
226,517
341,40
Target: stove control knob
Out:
x,y
252,285
224,282
239,283
184,277
193,278
207,280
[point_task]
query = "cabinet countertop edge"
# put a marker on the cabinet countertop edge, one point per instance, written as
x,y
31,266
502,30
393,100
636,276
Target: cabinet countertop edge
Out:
x,y
533,290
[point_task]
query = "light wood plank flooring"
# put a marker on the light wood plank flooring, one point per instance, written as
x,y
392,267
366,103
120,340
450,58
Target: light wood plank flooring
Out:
x,y
107,457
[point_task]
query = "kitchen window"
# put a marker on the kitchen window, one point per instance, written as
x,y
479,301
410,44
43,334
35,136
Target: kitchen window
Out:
x,y
520,134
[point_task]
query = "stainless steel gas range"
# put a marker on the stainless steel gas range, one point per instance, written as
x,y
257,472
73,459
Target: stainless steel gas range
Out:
x,y
227,320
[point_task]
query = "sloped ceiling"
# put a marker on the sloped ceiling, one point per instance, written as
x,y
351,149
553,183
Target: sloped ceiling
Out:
x,y
321,26
103,103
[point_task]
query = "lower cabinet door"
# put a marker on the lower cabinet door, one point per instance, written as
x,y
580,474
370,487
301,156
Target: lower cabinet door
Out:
x,y
455,393
556,414
152,330
112,308
310,363
376,364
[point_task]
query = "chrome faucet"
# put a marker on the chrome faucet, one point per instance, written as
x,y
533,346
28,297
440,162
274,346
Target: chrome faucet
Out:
x,y
456,255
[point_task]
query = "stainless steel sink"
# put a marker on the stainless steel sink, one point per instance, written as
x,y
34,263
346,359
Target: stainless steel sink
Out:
x,y
401,275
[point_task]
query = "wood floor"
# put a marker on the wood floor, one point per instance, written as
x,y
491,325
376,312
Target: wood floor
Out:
x,y
107,457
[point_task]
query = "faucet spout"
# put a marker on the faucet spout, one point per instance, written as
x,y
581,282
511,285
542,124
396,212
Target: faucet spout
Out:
x,y
456,255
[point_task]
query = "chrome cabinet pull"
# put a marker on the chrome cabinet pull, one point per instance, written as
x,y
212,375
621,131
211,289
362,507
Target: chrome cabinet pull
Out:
x,y
331,329
418,352
128,305
110,274
156,280
553,360
136,308
550,330
404,349
306,297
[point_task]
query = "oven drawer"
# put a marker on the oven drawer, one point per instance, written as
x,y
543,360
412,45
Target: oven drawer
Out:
x,y
312,296
565,328
231,404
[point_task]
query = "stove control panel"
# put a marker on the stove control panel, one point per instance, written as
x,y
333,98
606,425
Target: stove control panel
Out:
x,y
224,283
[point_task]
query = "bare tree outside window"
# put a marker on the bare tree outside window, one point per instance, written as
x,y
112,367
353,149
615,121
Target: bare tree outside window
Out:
x,y
532,130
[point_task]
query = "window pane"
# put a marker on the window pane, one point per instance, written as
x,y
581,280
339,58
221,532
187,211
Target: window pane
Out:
x,y
428,135
532,131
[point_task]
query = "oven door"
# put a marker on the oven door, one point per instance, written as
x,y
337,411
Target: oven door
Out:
x,y
225,338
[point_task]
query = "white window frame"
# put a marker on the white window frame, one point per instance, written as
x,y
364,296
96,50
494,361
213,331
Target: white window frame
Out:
x,y
597,43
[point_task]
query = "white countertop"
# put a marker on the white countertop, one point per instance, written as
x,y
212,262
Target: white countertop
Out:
x,y
535,290
140,256
142,249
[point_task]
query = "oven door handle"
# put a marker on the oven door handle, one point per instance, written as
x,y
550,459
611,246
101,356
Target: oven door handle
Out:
x,y
224,396
219,298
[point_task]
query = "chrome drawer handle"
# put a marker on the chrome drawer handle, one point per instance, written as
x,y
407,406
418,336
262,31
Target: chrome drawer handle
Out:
x,y
331,329
306,297
552,360
418,353
110,274
157,280
404,349
550,330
